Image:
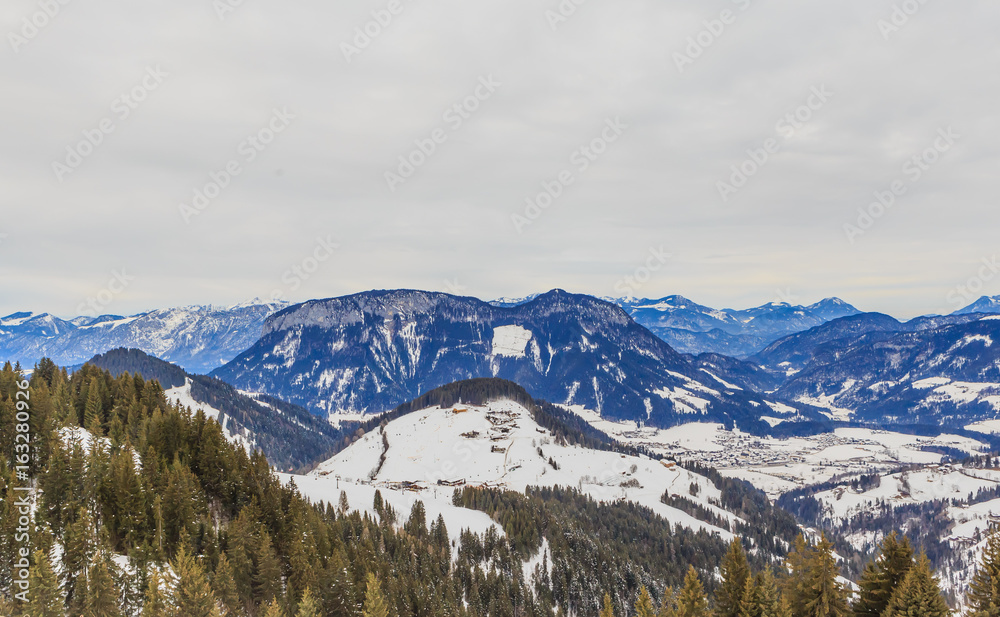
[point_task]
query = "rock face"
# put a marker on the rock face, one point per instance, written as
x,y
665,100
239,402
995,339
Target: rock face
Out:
x,y
197,338
369,352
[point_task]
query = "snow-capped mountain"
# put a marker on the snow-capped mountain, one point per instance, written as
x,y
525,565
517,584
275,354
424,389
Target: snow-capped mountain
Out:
x,y
287,434
693,328
985,304
369,352
946,375
197,338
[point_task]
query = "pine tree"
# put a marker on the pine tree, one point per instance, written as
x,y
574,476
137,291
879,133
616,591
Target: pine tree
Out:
x,y
768,599
308,606
274,610
749,602
644,604
824,597
267,577
983,598
224,586
77,552
46,599
691,602
668,605
192,595
102,598
919,594
155,602
92,416
607,610
735,575
794,584
881,577
375,603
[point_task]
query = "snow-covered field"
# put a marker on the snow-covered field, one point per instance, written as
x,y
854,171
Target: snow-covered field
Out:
x,y
780,465
495,445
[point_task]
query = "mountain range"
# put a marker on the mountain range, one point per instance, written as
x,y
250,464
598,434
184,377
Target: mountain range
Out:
x,y
196,338
647,361
692,328
369,352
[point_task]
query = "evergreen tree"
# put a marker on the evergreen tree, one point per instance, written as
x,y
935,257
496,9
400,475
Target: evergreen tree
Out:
x,y
92,413
983,598
224,586
155,602
668,605
102,598
644,604
881,577
691,602
308,606
46,598
192,595
267,577
824,595
274,610
375,603
607,610
735,576
919,594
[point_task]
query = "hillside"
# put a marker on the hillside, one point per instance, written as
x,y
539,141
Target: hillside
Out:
x,y
288,435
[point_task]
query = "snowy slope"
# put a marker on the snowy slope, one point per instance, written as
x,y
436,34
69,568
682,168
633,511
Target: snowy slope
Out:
x,y
497,445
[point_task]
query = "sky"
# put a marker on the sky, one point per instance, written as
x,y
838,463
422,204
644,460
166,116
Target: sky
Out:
x,y
736,152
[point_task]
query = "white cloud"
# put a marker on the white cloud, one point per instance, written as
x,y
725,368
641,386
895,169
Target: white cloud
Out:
x,y
655,187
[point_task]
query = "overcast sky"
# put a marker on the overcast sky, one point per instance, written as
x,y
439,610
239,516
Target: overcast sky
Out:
x,y
666,96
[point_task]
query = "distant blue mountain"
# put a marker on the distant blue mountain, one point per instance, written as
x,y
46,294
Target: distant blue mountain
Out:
x,y
692,328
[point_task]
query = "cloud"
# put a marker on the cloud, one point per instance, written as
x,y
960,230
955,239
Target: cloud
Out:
x,y
655,187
